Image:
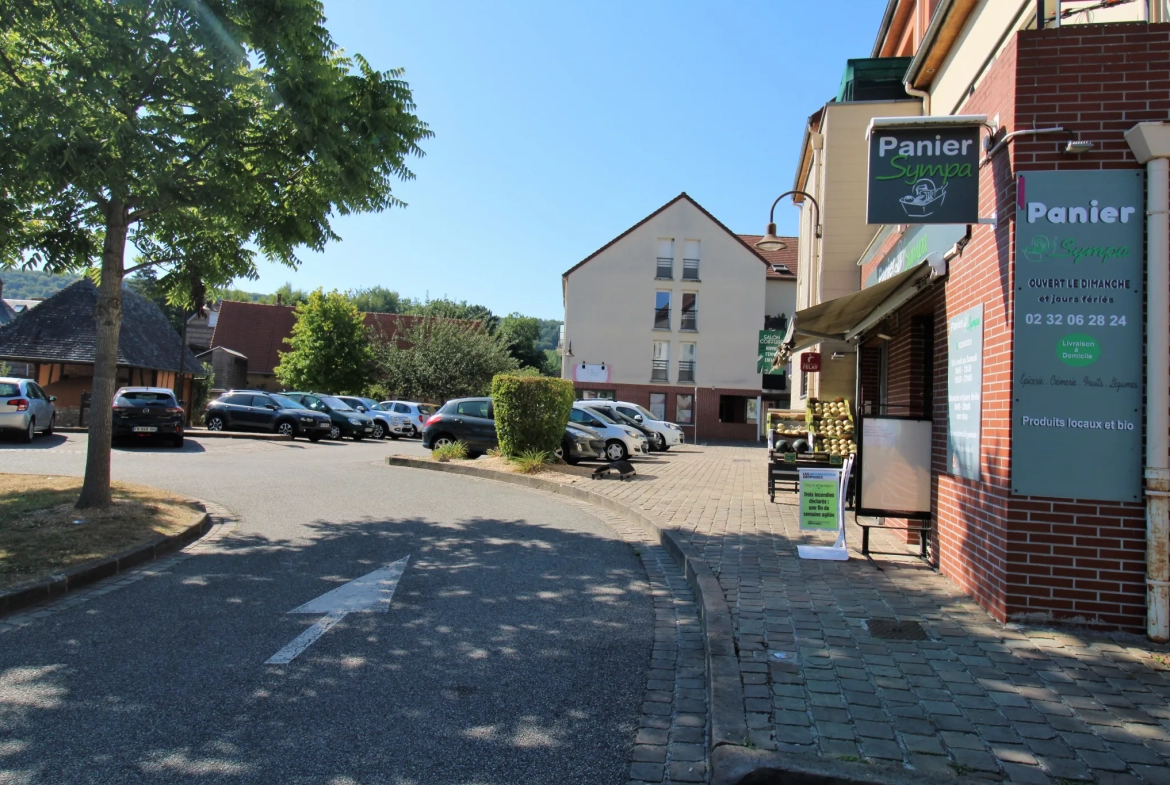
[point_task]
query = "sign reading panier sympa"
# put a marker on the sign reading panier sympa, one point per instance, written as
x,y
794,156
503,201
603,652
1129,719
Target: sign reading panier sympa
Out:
x,y
924,175
1077,378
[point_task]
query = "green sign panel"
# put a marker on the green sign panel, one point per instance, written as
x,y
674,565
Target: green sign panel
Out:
x,y
964,392
818,499
915,244
769,341
924,175
1077,386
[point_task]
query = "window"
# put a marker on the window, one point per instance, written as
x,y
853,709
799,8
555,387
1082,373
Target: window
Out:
x,y
691,260
665,258
237,399
260,401
474,409
590,395
686,363
732,408
583,417
683,411
804,384
658,405
401,408
660,366
662,310
753,411
690,311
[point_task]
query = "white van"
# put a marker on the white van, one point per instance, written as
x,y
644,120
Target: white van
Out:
x,y
668,434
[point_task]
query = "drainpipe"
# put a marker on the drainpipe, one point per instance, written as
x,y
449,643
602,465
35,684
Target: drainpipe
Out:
x,y
925,96
1150,142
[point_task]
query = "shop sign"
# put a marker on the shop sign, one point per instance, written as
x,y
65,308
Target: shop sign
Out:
x,y
810,362
1077,386
770,340
916,244
964,392
819,509
924,175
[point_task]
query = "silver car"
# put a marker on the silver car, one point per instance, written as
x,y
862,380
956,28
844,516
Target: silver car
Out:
x,y
25,409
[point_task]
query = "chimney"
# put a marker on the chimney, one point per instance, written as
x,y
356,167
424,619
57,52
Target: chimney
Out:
x,y
279,298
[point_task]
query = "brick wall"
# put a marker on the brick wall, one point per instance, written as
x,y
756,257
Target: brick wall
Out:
x,y
1027,558
706,424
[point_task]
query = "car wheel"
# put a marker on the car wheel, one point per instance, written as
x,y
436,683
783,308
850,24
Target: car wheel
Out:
x,y
379,431
442,440
616,451
335,432
52,423
215,423
659,442
286,428
28,435
177,441
559,453
414,433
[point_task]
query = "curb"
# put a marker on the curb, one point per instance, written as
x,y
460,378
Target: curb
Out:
x,y
204,434
727,716
91,572
744,766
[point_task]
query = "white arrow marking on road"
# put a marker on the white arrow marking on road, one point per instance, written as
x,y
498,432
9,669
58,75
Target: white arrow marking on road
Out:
x,y
370,593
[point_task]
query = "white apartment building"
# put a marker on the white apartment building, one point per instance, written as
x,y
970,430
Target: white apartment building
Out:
x,y
668,315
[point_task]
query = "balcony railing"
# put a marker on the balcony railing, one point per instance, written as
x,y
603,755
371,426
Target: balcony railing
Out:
x,y
661,318
690,269
660,370
665,268
686,370
690,320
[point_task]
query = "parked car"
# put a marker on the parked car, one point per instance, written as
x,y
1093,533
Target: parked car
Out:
x,y
621,441
416,413
386,423
257,410
468,420
147,413
666,434
610,411
581,443
344,420
25,409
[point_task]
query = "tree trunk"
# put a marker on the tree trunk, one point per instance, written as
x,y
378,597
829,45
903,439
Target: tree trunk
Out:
x,y
95,490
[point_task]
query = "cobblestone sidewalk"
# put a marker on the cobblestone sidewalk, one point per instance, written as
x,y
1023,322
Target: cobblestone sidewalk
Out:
x,y
824,676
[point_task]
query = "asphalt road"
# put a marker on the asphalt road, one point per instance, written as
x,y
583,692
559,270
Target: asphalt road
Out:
x,y
515,649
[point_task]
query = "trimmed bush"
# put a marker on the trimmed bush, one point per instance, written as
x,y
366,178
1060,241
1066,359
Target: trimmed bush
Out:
x,y
531,412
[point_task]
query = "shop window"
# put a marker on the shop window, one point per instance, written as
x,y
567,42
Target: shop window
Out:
x,y
684,412
658,405
732,408
591,395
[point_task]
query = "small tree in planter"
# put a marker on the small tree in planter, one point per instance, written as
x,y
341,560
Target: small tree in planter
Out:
x,y
531,412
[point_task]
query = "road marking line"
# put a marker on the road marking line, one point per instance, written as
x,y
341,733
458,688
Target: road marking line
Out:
x,y
371,593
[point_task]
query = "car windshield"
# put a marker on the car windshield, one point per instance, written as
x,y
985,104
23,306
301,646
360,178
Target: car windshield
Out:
x,y
140,398
376,407
644,412
9,389
602,416
336,403
286,403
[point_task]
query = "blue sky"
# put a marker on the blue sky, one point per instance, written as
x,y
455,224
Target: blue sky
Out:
x,y
558,125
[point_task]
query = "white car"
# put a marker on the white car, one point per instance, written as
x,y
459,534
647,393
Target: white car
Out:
x,y
668,434
621,441
416,413
25,408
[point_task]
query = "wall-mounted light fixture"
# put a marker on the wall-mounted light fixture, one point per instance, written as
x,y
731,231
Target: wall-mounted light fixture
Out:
x,y
885,337
1078,146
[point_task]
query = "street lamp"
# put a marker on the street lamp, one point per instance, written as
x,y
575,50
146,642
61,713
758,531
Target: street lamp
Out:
x,y
771,242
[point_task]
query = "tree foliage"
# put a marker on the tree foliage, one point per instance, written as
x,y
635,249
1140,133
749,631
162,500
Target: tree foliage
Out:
x,y
202,133
449,309
376,299
531,412
331,349
439,360
30,284
520,334
552,362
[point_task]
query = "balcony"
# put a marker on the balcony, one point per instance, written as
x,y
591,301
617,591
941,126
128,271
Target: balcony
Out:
x,y
665,268
690,320
661,318
690,269
686,371
660,371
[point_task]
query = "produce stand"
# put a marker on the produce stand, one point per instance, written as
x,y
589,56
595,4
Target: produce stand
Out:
x,y
827,427
785,467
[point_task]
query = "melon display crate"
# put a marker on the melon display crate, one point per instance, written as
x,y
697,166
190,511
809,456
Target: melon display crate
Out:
x,y
786,424
831,428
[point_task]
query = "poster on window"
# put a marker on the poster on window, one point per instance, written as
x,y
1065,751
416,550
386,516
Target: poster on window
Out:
x,y
964,392
683,410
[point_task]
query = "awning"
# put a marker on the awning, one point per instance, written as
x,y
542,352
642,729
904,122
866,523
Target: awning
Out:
x,y
847,317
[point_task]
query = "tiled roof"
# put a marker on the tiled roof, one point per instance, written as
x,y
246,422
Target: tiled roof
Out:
x,y
257,331
786,259
61,329
6,313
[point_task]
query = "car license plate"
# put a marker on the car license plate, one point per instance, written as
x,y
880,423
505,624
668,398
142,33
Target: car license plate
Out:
x,y
145,429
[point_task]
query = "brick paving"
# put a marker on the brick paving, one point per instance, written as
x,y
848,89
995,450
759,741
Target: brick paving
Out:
x,y
1012,703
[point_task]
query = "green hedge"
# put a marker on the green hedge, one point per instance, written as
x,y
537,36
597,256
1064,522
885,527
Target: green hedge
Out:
x,y
531,412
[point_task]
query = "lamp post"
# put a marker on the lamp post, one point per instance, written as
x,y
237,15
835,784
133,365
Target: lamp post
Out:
x,y
771,242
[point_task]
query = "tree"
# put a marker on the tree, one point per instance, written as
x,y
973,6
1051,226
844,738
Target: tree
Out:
x,y
145,282
552,362
203,133
376,299
449,309
520,334
287,295
550,334
330,347
440,360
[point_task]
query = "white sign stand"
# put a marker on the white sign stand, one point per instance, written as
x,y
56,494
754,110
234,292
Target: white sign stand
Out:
x,y
837,551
